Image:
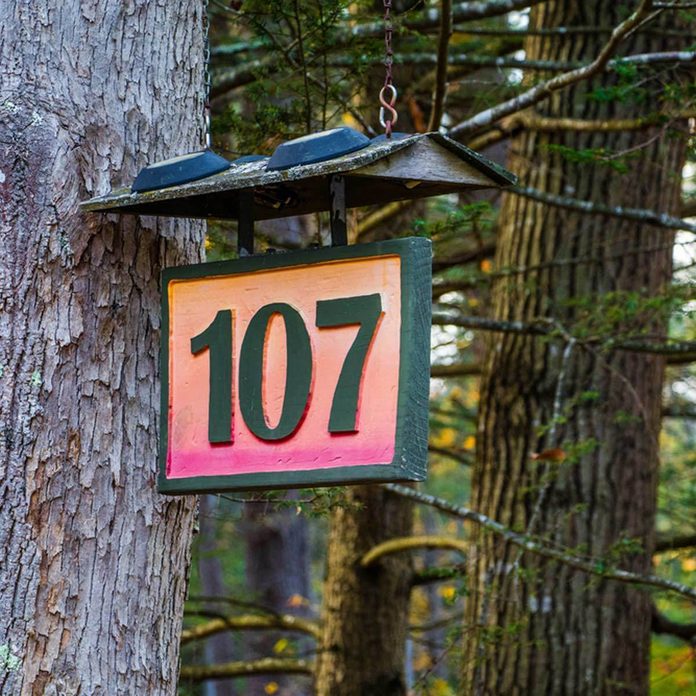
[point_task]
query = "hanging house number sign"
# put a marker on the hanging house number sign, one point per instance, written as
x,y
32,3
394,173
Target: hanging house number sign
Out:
x,y
296,369
309,367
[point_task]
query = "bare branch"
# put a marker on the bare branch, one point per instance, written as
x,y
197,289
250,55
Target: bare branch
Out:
x,y
455,370
266,665
248,622
650,217
592,566
438,101
668,543
545,89
677,351
662,625
409,543
461,12
452,454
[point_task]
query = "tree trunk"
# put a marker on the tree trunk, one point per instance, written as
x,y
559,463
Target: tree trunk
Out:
x,y
94,564
535,627
365,615
277,572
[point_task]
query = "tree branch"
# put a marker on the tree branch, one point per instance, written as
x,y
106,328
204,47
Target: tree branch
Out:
x,y
545,89
455,370
452,454
266,665
409,543
660,624
668,543
677,352
286,622
461,12
593,566
650,217
438,101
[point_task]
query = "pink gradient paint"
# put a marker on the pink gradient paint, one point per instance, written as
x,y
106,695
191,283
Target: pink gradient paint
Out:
x,y
193,304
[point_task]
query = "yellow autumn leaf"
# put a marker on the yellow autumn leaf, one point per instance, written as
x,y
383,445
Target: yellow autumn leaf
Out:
x,y
448,592
297,600
446,437
688,565
486,265
439,687
271,688
281,646
422,661
469,442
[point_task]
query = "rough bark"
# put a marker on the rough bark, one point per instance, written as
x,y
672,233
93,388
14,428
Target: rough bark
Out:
x,y
535,627
94,564
365,614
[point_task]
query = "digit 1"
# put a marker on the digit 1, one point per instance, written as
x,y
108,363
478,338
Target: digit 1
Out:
x,y
218,339
298,376
366,311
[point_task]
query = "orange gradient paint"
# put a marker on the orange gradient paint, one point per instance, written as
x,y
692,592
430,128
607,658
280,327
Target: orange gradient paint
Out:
x,y
193,304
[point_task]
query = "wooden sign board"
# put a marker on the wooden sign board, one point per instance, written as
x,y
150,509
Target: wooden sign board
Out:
x,y
298,369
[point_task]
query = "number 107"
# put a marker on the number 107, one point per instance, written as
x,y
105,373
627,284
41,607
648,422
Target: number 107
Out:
x,y
362,310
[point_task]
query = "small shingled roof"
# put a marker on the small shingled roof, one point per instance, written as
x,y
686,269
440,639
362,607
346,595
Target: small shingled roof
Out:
x,y
416,166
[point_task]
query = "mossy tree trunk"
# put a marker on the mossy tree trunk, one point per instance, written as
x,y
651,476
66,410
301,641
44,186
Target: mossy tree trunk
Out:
x,y
534,627
94,565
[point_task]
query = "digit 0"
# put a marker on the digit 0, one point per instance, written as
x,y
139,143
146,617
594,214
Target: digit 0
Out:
x,y
298,375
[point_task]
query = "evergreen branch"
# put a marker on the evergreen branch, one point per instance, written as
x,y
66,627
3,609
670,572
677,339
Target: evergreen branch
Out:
x,y
595,566
676,351
440,91
399,544
642,215
545,89
249,622
245,668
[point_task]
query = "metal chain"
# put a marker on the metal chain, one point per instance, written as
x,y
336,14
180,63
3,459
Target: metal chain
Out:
x,y
388,104
206,72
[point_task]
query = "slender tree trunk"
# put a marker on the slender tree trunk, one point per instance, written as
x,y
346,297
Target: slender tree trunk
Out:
x,y
94,561
365,615
535,627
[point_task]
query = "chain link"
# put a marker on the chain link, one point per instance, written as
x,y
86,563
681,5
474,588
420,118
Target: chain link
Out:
x,y
206,72
388,121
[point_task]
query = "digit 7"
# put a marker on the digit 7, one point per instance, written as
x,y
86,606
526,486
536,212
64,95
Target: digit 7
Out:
x,y
366,311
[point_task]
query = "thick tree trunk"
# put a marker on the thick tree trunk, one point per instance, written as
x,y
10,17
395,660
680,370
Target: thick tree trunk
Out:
x,y
535,627
94,565
365,614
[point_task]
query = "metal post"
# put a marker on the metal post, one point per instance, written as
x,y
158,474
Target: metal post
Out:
x,y
337,193
245,226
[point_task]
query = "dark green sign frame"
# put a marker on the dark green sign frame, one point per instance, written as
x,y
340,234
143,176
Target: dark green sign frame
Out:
x,y
410,454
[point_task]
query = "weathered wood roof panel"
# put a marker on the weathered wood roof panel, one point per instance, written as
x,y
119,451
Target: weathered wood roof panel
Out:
x,y
387,170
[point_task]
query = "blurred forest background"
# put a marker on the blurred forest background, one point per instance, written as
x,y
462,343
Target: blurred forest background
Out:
x,y
555,389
